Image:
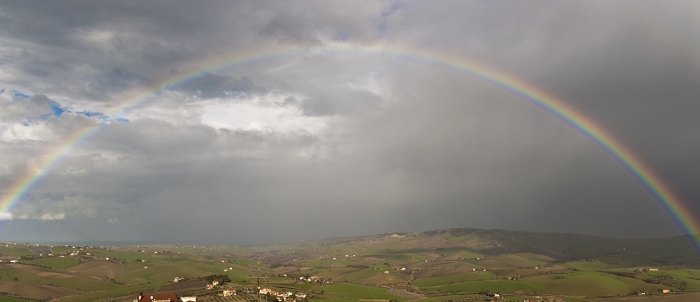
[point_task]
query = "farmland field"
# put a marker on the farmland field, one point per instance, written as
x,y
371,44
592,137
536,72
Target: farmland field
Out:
x,y
431,267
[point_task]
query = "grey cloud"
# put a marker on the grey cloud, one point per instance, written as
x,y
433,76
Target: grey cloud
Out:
x,y
290,28
23,109
399,144
341,101
218,86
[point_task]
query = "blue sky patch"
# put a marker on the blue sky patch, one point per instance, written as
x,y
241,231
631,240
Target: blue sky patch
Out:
x,y
122,120
57,111
2,91
91,113
19,94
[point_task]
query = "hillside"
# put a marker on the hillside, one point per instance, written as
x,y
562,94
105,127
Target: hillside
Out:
x,y
428,266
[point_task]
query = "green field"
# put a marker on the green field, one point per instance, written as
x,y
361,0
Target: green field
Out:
x,y
474,276
439,266
354,291
496,286
11,299
55,263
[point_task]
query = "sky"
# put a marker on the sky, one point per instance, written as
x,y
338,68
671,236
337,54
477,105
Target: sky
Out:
x,y
249,122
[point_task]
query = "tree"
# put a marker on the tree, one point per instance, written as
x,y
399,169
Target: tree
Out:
x,y
16,279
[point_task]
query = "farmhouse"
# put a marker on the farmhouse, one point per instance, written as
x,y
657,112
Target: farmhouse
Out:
x,y
229,292
168,297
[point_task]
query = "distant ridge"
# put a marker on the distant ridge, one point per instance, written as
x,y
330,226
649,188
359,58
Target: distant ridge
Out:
x,y
560,246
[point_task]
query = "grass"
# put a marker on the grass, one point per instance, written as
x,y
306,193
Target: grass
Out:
x,y
93,296
55,263
588,265
356,275
589,284
16,251
76,282
331,262
354,291
509,261
450,297
24,277
495,286
542,279
475,276
11,299
443,272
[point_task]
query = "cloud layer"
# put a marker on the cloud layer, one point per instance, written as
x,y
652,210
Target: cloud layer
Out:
x,y
317,142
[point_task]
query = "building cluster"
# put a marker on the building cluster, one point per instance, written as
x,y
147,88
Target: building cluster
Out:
x,y
285,296
315,279
164,297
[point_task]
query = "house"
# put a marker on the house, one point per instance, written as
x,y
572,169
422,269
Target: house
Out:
x,y
665,291
229,292
167,297
14,261
188,299
653,269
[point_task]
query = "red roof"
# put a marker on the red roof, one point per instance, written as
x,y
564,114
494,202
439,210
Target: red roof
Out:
x,y
150,297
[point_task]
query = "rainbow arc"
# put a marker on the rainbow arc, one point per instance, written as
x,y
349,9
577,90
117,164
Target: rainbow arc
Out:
x,y
661,191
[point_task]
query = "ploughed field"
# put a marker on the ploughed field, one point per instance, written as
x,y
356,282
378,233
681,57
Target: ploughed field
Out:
x,y
455,265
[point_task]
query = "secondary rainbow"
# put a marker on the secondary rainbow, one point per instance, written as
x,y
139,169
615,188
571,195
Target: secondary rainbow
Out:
x,y
675,206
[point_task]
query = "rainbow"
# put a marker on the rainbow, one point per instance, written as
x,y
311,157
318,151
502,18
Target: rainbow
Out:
x,y
673,204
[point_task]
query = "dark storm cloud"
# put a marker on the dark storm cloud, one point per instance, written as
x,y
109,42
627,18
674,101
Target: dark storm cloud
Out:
x,y
346,143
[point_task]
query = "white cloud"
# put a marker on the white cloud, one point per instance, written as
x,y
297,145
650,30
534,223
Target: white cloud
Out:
x,y
261,113
6,216
43,217
48,216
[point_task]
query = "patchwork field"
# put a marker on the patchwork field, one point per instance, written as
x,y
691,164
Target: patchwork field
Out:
x,y
99,268
437,266
37,291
